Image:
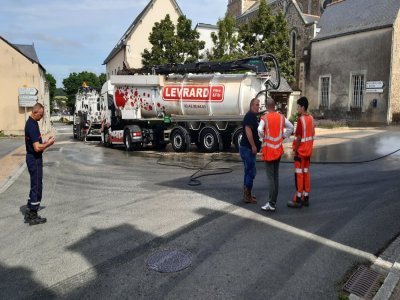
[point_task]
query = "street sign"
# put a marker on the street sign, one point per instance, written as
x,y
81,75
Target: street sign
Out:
x,y
374,90
27,100
27,91
374,84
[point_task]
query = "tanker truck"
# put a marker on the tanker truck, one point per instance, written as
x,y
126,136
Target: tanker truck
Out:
x,y
87,119
185,104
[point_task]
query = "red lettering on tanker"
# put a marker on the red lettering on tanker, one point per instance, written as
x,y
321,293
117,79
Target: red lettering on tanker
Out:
x,y
193,93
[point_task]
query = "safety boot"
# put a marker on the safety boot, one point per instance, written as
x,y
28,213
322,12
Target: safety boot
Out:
x,y
33,218
296,203
305,201
247,198
252,196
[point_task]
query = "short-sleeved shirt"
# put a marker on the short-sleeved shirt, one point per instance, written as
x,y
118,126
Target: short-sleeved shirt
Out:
x,y
32,135
250,119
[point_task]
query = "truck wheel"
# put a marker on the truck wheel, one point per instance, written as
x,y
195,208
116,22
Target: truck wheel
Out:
x,y
237,137
106,139
209,140
74,131
78,132
128,141
179,140
226,141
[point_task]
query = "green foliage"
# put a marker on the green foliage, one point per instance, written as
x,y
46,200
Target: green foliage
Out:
x,y
294,117
52,88
74,82
102,79
267,33
225,41
170,46
60,92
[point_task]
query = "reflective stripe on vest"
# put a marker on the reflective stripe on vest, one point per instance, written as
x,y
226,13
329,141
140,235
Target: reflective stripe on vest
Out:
x,y
307,137
272,148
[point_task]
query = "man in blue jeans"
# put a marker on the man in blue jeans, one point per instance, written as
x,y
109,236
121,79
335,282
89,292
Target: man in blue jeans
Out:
x,y
248,148
34,149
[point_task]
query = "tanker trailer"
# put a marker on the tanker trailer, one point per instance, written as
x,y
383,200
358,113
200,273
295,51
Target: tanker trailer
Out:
x,y
87,121
176,105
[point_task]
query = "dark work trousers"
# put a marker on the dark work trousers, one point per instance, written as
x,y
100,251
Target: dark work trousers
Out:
x,y
272,168
249,162
35,167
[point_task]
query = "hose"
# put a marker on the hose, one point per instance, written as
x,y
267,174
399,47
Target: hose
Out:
x,y
193,179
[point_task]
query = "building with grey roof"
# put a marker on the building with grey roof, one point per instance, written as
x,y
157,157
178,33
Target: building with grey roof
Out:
x,y
353,68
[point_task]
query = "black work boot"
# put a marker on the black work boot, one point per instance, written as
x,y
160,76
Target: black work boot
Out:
x,y
33,218
295,203
305,201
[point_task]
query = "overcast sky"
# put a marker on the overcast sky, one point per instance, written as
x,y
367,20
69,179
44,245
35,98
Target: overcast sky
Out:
x,y
77,35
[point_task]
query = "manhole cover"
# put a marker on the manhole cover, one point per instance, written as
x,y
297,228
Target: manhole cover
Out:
x,y
363,283
169,261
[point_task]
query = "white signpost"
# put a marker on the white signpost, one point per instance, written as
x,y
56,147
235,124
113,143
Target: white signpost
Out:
x,y
374,86
27,97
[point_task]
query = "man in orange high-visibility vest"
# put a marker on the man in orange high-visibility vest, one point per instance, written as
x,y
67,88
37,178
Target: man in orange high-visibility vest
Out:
x,y
271,131
302,147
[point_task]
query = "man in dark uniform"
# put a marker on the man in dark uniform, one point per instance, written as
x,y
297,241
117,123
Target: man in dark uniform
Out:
x,y
248,148
34,149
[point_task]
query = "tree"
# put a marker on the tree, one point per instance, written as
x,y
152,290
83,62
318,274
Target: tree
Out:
x,y
226,44
163,41
52,88
102,79
188,44
74,82
268,34
172,45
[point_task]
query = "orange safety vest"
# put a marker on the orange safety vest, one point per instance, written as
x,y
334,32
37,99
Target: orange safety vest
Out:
x,y
307,137
272,148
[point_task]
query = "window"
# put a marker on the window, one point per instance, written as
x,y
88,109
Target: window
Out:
x,y
357,88
293,37
324,91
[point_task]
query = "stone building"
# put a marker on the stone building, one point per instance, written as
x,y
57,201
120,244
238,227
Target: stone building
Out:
x,y
302,17
128,51
20,68
354,62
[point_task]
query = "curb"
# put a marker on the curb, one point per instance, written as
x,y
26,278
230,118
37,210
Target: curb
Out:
x,y
390,283
13,164
5,184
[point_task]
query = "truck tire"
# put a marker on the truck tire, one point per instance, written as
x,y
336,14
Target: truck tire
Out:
x,y
179,140
226,141
237,137
106,139
209,140
74,131
128,141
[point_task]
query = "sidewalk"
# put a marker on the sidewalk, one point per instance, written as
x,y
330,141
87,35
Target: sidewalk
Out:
x,y
12,163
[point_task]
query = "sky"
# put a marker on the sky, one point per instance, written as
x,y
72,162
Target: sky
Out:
x,y
77,35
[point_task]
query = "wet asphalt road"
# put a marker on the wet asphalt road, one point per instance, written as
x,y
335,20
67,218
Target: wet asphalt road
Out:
x,y
108,210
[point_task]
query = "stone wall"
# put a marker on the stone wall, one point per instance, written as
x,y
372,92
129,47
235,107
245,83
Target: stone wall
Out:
x,y
394,94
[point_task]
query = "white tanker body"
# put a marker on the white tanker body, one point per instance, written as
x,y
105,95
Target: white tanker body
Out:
x,y
87,119
205,109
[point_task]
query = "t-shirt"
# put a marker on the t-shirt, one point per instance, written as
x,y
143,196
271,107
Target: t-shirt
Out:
x,y
32,135
250,119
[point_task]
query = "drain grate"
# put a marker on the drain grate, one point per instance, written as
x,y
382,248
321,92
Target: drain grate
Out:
x,y
364,282
169,261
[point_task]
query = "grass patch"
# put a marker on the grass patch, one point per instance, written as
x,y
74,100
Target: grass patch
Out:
x,y
329,124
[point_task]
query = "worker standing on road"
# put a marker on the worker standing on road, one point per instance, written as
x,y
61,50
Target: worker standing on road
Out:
x,y
34,149
302,148
248,148
271,131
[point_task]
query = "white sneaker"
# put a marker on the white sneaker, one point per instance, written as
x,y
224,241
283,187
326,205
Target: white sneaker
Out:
x,y
268,207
